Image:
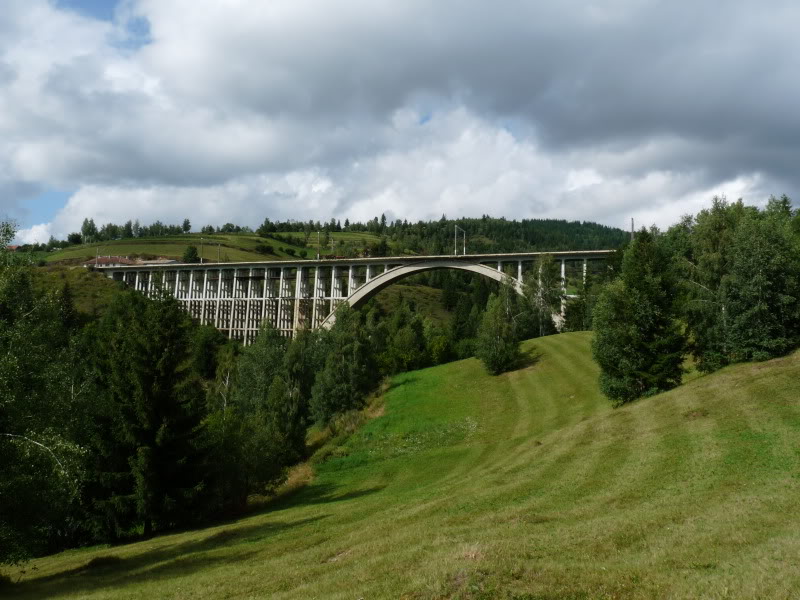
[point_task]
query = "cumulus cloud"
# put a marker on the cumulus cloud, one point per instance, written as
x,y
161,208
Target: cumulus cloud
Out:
x,y
456,164
300,109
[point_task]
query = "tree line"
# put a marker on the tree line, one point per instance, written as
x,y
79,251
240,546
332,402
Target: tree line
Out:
x,y
722,287
141,421
485,235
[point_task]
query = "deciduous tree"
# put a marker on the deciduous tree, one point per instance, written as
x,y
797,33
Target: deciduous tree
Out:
x,y
497,343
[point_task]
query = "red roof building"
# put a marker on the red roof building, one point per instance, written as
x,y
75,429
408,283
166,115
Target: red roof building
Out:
x,y
110,261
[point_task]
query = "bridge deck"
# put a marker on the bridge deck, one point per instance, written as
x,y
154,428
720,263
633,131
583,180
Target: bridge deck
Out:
x,y
380,260
236,297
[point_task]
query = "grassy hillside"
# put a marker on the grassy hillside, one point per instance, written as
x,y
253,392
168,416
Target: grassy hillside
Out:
x,y
428,301
527,485
227,247
92,292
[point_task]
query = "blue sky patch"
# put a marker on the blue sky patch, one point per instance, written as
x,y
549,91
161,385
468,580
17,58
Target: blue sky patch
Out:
x,y
97,9
44,207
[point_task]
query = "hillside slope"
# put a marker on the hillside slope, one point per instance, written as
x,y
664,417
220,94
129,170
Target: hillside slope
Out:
x,y
527,485
222,247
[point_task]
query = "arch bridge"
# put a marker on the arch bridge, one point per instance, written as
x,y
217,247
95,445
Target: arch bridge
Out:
x,y
237,297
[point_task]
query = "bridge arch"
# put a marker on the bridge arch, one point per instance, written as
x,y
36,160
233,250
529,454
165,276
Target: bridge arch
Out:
x,y
376,284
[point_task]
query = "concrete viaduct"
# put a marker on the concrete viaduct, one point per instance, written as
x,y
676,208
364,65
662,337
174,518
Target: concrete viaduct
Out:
x,y
237,297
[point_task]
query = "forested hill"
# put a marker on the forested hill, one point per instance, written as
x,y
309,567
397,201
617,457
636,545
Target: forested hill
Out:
x,y
485,234
500,235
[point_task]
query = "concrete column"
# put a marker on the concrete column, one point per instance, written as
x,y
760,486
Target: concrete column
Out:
x,y
248,311
298,292
385,267
350,283
200,296
500,266
564,275
190,292
584,270
279,324
333,282
136,282
519,271
219,298
264,296
177,280
204,313
369,273
315,296
232,314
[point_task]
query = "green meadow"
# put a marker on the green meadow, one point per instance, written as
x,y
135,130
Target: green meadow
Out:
x,y
225,247
526,485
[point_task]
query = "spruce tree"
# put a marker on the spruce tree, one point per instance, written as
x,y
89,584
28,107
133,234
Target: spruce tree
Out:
x,y
190,255
638,342
150,407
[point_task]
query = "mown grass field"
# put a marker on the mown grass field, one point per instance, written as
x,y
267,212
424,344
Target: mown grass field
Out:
x,y
527,485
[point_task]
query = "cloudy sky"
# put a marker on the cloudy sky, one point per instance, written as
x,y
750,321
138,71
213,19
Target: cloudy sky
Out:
x,y
234,110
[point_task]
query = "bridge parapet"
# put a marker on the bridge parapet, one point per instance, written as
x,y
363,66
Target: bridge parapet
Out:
x,y
237,297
